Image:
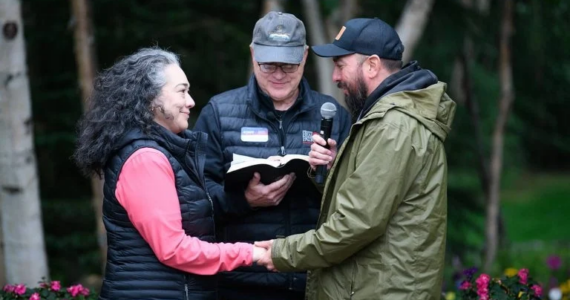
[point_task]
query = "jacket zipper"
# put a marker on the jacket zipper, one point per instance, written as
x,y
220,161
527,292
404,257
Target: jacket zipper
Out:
x,y
203,181
186,286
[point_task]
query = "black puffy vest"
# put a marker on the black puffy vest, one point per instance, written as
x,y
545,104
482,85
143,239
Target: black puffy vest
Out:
x,y
299,210
132,269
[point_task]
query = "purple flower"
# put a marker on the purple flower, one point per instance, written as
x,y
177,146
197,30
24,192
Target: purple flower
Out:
x,y
468,273
554,262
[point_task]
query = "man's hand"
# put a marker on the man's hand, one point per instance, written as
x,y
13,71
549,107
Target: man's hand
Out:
x,y
265,259
258,194
319,155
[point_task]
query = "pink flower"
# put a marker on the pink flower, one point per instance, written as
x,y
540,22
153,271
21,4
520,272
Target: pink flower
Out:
x,y
84,292
74,290
483,281
523,275
537,290
483,286
55,286
465,285
20,289
35,296
9,288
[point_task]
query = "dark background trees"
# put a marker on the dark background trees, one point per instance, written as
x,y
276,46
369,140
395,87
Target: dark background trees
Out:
x,y
212,38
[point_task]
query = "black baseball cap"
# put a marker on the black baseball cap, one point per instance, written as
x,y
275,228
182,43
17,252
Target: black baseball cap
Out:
x,y
364,36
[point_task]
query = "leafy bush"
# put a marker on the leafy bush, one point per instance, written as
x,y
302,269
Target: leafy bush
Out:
x,y
483,287
47,290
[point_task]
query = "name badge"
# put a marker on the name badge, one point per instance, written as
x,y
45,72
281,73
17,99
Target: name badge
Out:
x,y
254,134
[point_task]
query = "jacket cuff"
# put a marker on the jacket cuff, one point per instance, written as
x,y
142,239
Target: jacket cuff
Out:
x,y
279,256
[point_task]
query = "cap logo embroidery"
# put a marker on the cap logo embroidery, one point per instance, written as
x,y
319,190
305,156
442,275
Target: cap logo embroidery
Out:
x,y
340,33
279,36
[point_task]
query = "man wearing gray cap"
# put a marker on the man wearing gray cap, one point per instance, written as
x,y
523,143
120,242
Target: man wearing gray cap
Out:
x,y
382,229
274,115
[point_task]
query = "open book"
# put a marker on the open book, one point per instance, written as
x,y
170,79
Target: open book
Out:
x,y
242,168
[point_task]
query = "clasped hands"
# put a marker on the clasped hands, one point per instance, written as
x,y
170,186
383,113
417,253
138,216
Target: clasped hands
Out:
x,y
262,254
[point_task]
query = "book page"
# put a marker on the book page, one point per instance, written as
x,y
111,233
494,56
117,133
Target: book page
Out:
x,y
246,161
238,158
285,159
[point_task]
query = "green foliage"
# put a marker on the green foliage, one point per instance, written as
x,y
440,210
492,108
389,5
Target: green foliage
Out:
x,y
71,243
543,199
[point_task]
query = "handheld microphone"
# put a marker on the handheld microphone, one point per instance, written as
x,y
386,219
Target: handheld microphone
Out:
x,y
328,110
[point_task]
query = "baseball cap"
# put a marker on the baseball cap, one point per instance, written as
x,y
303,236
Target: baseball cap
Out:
x,y
279,37
364,36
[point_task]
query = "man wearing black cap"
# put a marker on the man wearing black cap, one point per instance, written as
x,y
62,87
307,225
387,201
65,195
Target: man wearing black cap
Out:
x,y
274,115
382,228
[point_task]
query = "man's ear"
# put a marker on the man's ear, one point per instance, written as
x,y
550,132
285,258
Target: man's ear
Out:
x,y
373,66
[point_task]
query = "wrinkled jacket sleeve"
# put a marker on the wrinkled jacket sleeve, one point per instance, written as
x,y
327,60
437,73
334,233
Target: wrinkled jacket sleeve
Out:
x,y
365,202
225,204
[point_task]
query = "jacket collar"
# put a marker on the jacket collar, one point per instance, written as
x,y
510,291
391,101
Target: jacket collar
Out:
x,y
179,145
410,78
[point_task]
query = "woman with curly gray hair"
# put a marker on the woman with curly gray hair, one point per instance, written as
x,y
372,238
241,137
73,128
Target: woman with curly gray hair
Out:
x,y
156,209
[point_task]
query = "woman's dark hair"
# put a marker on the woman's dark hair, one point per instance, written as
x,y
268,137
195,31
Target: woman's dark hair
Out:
x,y
122,99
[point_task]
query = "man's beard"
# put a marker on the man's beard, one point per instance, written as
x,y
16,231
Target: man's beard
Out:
x,y
355,97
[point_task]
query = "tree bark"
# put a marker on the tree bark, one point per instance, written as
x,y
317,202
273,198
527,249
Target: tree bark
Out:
x,y
2,257
24,248
345,11
86,69
496,164
412,24
317,36
465,61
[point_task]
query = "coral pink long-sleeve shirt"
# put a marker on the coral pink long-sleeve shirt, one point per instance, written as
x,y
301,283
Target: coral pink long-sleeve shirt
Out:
x,y
147,191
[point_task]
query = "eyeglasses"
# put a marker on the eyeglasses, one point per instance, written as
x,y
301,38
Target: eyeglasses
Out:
x,y
271,68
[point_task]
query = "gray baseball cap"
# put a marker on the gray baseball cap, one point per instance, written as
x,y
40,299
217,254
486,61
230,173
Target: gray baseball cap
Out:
x,y
279,37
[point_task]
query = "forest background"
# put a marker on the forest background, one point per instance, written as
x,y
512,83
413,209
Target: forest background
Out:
x,y
506,63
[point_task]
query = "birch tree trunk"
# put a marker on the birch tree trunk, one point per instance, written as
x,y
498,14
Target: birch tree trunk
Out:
x,y
412,24
86,69
2,260
496,163
24,249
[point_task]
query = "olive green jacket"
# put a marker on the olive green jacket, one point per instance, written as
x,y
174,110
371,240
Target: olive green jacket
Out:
x,y
382,227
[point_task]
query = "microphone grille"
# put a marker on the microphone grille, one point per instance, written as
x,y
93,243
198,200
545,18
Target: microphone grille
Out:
x,y
328,110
